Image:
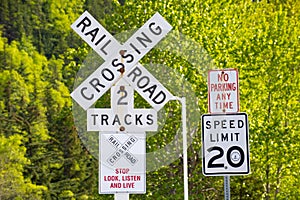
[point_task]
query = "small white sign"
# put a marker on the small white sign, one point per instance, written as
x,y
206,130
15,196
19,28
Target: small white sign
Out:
x,y
122,96
140,43
122,163
225,144
223,91
134,120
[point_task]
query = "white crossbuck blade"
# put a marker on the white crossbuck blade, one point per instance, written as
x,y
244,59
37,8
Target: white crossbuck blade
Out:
x,y
119,58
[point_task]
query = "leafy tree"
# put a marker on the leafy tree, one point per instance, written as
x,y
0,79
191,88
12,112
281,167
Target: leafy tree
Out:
x,y
34,106
46,23
12,160
72,168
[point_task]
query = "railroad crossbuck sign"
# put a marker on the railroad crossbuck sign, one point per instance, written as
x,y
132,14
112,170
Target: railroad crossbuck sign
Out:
x,y
223,91
119,59
225,144
122,154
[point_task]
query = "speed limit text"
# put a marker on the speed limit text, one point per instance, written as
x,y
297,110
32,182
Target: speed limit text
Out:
x,y
224,135
224,124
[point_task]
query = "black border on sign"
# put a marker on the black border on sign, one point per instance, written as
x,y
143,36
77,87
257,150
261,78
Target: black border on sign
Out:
x,y
247,148
237,86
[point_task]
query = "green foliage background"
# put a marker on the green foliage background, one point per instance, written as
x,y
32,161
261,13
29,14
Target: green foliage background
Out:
x,y
41,155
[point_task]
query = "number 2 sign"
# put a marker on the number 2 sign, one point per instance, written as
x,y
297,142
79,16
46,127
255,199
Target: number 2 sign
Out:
x,y
122,115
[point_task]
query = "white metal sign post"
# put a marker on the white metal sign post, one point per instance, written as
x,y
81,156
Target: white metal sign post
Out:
x,y
225,139
121,68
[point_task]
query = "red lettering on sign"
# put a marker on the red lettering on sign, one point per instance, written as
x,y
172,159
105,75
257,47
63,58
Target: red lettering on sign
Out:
x,y
115,185
131,178
111,178
223,77
223,96
128,185
224,105
122,170
221,87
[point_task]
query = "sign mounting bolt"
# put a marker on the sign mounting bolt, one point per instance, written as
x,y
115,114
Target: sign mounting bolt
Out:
x,y
121,70
122,52
122,128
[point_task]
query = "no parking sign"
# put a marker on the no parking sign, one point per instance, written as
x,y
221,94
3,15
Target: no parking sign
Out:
x,y
223,91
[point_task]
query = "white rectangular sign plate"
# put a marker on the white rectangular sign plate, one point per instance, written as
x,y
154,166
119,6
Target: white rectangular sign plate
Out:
x,y
223,91
225,144
122,163
135,120
141,42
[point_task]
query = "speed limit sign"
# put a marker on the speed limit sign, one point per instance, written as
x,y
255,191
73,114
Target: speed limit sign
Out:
x,y
225,144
